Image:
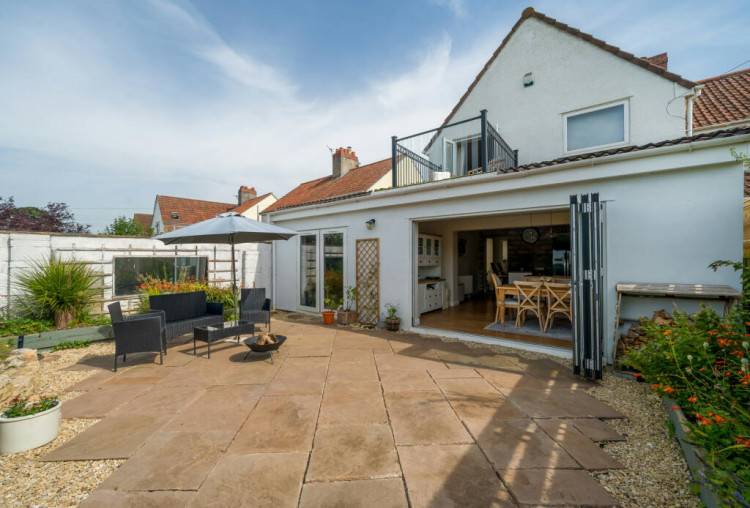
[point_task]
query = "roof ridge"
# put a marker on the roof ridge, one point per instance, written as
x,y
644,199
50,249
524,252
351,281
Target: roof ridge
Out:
x,y
722,76
193,199
529,12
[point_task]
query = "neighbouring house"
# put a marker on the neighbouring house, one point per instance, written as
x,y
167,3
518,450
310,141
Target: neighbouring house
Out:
x,y
171,213
723,103
143,219
508,185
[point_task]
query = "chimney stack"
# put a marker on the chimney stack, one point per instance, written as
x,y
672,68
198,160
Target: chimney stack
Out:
x,y
246,194
344,160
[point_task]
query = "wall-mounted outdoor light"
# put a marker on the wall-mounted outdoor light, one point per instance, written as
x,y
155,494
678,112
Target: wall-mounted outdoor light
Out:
x,y
528,79
370,224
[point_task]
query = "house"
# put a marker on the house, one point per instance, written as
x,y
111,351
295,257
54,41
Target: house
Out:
x,y
724,102
564,153
171,213
143,219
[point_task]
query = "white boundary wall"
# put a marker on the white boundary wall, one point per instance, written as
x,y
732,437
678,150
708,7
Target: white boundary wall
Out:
x,y
18,249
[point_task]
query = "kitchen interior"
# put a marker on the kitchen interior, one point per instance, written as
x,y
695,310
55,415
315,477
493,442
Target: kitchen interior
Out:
x,y
457,257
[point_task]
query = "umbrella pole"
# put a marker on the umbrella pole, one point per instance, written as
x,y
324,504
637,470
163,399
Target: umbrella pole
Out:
x,y
234,281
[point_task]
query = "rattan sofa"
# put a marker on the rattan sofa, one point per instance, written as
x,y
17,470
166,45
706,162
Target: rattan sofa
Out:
x,y
181,312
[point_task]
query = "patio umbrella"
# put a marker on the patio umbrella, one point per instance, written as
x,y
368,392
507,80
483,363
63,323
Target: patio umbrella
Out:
x,y
231,228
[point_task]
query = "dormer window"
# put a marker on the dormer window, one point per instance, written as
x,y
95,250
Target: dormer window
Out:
x,y
596,128
175,215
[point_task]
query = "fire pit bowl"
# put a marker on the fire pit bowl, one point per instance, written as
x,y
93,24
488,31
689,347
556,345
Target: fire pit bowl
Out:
x,y
265,348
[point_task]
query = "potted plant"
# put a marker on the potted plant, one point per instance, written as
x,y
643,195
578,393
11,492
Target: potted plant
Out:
x,y
331,304
346,315
29,423
392,321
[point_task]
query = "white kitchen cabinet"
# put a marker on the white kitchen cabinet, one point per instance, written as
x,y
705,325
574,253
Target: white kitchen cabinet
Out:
x,y
430,296
429,250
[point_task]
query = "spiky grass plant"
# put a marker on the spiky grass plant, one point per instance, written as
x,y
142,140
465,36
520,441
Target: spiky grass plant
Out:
x,y
61,290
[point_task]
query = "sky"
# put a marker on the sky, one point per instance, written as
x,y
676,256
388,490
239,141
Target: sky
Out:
x,y
106,103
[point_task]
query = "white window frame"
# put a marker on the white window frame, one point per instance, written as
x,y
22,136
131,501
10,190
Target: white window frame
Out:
x,y
626,128
320,282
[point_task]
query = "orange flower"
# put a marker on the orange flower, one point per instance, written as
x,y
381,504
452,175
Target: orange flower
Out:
x,y
692,399
719,419
674,407
637,374
668,389
668,332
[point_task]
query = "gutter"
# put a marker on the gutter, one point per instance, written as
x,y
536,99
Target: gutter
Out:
x,y
476,179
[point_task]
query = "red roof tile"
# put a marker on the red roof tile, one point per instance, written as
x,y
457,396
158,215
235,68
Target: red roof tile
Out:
x,y
249,204
660,60
356,181
724,99
190,211
144,219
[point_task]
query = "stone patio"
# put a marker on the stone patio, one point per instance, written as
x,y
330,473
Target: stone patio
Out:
x,y
342,418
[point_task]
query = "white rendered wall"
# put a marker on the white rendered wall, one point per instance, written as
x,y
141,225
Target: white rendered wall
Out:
x,y
18,249
668,217
569,74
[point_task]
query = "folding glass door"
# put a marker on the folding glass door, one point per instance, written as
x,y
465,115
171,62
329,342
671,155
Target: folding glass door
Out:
x,y
321,269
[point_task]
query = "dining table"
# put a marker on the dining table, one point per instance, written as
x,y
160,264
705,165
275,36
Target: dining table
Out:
x,y
506,290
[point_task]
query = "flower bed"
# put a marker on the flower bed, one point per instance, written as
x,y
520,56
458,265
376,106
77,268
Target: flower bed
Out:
x,y
151,286
701,362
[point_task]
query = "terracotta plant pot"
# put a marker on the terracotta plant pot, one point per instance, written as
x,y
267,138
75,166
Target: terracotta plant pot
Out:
x,y
328,316
28,432
346,317
393,325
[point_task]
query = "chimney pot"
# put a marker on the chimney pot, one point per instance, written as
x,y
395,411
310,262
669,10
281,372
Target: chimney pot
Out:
x,y
245,194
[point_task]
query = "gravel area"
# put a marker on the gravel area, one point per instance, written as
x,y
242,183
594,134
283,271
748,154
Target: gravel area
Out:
x,y
29,482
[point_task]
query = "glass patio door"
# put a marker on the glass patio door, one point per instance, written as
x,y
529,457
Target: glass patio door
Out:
x,y
308,271
333,267
321,269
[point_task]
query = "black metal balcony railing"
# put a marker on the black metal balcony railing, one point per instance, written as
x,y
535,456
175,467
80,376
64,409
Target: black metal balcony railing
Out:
x,y
461,148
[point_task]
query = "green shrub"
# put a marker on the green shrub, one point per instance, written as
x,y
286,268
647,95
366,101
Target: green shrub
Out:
x,y
702,363
59,290
151,286
25,326
6,346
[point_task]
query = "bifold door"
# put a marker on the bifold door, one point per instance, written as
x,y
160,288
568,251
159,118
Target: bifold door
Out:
x,y
586,228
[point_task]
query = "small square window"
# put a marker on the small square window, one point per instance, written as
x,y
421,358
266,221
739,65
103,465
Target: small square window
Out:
x,y
176,215
597,128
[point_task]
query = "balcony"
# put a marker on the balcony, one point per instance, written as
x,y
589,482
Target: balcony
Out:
x,y
457,149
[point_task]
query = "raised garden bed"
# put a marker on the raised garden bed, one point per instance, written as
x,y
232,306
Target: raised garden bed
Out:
x,y
46,340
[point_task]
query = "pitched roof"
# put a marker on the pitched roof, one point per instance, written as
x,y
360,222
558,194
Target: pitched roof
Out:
x,y
726,133
249,204
144,219
190,210
529,12
356,182
724,99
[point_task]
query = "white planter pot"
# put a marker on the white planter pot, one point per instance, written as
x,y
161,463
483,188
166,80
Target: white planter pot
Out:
x,y
28,432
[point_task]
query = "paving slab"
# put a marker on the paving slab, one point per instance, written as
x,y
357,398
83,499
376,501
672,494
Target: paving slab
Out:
x,y
107,362
300,376
200,372
383,493
555,375
355,452
137,499
580,447
398,362
476,398
518,444
219,408
568,487
424,418
101,401
115,437
559,403
255,370
451,476
511,379
170,461
134,380
279,424
258,479
407,381
352,371
351,355
346,340
351,402
308,350
452,372
478,358
596,430
91,382
160,399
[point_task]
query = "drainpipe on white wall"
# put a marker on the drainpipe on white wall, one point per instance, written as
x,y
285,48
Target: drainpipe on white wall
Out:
x,y
689,98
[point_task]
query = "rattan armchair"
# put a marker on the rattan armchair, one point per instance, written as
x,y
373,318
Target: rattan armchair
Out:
x,y
255,307
137,334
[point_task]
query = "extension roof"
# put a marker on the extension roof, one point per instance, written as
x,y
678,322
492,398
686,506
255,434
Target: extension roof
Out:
x,y
190,211
529,12
355,182
724,99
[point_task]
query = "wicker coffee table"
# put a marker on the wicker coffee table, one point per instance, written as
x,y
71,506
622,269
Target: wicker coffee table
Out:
x,y
212,333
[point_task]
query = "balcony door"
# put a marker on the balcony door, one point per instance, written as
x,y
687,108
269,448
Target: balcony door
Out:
x,y
321,268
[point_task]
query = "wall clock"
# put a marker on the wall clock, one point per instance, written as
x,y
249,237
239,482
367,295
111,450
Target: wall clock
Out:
x,y
530,235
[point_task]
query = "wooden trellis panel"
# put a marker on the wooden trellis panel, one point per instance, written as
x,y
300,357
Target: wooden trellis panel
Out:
x,y
368,280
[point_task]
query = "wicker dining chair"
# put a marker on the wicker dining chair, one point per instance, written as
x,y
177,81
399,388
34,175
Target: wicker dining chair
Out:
x,y
137,334
530,300
558,302
504,302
